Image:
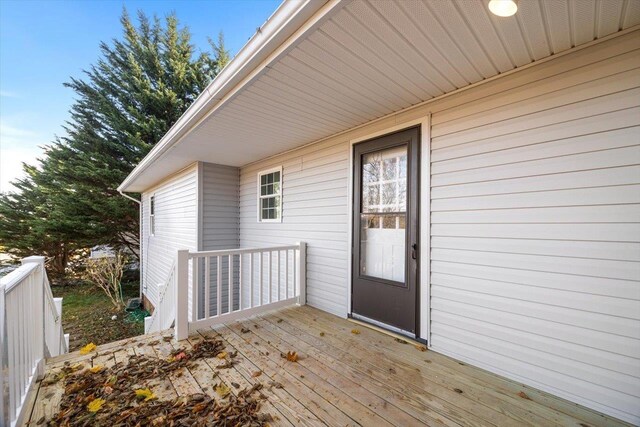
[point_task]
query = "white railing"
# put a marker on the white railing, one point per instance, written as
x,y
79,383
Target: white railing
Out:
x,y
165,313
30,330
56,341
213,287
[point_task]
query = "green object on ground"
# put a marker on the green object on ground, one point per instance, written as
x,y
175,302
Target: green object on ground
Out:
x,y
136,316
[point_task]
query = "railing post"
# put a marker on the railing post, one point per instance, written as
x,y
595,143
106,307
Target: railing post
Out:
x,y
4,363
38,311
301,280
181,331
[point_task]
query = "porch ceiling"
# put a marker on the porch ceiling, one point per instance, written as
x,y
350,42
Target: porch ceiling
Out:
x,y
364,60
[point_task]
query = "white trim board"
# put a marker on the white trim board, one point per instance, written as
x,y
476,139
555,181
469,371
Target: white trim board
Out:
x,y
424,214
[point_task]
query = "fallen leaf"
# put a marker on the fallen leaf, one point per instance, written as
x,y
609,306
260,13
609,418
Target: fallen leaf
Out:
x,y
291,356
401,341
180,356
108,390
457,390
256,374
355,332
145,393
279,321
235,385
96,369
523,395
222,390
199,407
275,384
159,421
321,334
245,330
88,349
421,347
95,405
222,355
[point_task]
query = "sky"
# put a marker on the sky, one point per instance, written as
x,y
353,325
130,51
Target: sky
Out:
x,y
44,43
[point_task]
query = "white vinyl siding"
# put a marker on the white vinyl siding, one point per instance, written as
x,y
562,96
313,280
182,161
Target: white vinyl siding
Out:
x,y
535,236
314,210
220,225
535,225
175,228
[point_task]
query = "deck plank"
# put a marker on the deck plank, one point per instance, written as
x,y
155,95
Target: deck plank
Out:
x,y
435,390
341,379
328,386
293,384
162,387
208,376
400,406
182,380
419,402
289,406
552,409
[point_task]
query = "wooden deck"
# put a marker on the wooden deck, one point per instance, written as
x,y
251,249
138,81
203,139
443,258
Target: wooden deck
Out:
x,y
341,378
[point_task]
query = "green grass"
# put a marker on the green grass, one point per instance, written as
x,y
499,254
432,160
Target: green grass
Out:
x,y
87,312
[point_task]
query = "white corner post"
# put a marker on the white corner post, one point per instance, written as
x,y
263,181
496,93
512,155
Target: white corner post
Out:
x,y
181,330
301,270
38,312
4,362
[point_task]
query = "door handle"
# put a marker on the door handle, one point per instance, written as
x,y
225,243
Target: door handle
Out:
x,y
414,250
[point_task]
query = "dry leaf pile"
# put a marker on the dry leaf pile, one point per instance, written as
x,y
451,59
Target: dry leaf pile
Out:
x,y
117,396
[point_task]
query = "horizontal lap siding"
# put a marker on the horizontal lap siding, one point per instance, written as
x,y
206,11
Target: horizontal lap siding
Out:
x,y
535,238
314,210
175,225
535,231
220,228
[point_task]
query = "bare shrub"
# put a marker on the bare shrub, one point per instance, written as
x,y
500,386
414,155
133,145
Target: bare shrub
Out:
x,y
106,273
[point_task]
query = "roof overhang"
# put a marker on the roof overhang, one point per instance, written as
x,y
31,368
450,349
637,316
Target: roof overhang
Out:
x,y
317,68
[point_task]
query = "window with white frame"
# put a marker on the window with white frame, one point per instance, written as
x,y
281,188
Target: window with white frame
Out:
x,y
152,215
270,195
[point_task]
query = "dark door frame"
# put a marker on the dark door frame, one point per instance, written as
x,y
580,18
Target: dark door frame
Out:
x,y
412,230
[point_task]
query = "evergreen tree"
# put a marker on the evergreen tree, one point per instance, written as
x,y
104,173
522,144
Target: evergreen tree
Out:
x,y
125,103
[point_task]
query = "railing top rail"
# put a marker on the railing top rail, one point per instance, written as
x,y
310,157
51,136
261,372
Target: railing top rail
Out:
x,y
16,277
198,254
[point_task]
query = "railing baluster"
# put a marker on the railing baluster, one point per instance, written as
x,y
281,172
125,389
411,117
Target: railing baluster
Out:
x,y
278,299
261,278
286,274
230,309
270,275
207,287
251,280
240,282
295,276
195,293
219,287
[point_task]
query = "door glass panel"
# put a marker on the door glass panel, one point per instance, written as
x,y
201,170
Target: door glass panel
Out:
x,y
383,216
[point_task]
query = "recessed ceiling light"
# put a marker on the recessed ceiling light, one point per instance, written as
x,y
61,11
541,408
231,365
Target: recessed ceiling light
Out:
x,y
503,7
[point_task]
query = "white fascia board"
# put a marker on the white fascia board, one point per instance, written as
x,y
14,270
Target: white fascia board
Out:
x,y
290,23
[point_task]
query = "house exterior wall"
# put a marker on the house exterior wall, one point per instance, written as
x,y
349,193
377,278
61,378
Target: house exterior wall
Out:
x,y
220,207
535,240
175,228
315,194
220,227
535,244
